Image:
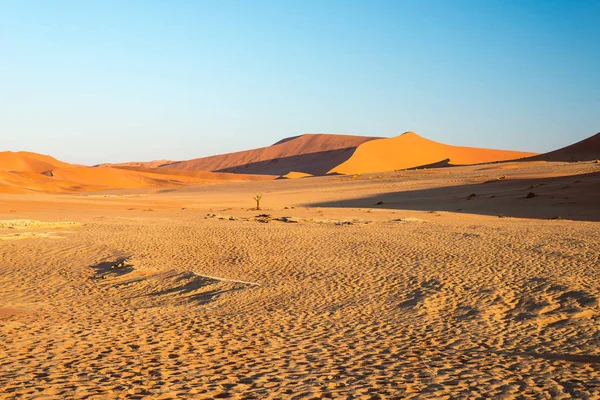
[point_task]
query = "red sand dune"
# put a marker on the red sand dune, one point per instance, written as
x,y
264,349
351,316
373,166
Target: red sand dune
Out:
x,y
410,150
311,153
585,150
26,161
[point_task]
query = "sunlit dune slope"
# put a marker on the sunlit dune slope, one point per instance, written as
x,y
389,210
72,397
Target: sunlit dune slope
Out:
x,y
311,153
295,175
585,150
26,161
117,178
411,150
26,181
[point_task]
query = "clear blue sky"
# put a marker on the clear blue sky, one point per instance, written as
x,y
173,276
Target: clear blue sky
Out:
x,y
104,81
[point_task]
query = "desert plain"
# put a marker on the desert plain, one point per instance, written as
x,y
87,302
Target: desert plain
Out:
x,y
474,281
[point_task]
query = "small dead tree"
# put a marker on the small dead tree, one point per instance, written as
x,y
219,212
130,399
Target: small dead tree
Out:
x,y
257,198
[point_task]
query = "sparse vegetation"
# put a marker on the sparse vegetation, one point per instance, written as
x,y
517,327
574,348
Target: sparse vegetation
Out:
x,y
530,195
258,197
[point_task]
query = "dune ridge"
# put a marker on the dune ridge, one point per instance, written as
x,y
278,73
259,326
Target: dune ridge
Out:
x,y
28,161
310,153
585,150
410,150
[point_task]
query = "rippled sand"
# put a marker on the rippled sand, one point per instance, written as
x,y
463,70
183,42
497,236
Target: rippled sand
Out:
x,y
149,297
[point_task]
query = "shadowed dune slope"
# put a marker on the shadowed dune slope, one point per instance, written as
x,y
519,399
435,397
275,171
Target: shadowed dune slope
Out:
x,y
585,150
410,150
310,153
26,161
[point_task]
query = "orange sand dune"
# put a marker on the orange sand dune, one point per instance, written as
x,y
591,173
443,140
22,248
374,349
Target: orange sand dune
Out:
x,y
410,150
26,181
311,153
118,178
26,161
585,150
30,172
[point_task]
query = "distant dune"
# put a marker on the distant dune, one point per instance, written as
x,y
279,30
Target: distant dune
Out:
x,y
585,150
142,164
314,154
26,161
410,150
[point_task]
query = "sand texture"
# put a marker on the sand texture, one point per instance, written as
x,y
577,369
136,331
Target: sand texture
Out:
x,y
394,285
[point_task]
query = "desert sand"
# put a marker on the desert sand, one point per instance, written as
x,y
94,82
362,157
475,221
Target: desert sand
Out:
x,y
438,283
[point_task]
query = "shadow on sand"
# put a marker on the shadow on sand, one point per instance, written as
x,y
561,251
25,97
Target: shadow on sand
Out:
x,y
567,197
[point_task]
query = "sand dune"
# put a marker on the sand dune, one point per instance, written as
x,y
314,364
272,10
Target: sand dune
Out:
x,y
410,150
311,153
585,150
27,161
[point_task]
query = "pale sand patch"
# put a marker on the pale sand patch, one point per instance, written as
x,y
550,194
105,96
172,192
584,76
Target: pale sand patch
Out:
x,y
216,278
29,235
33,224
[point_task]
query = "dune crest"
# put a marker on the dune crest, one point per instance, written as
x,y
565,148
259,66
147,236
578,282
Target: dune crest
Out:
x,y
410,150
27,161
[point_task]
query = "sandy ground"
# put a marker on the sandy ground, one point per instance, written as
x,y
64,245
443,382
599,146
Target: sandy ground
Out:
x,y
147,297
